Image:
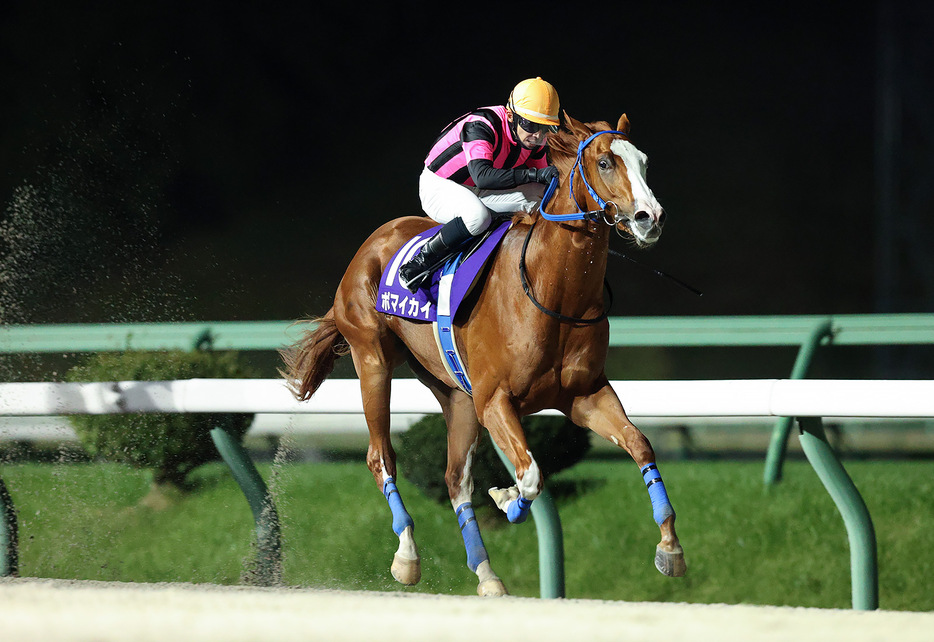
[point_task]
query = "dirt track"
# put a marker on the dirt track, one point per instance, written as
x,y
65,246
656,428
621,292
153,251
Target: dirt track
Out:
x,y
44,610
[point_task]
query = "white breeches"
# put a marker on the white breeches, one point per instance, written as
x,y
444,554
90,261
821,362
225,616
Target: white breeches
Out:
x,y
444,200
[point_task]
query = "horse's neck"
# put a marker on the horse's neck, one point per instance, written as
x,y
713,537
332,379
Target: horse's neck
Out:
x,y
567,262
580,244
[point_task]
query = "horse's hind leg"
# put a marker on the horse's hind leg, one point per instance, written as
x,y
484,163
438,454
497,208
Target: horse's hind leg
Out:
x,y
375,378
603,413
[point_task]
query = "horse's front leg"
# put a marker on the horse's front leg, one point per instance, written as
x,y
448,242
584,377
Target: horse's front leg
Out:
x,y
603,413
463,437
501,419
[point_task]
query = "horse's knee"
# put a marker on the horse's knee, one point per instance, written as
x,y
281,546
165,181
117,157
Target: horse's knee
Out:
x,y
458,478
642,448
460,486
636,444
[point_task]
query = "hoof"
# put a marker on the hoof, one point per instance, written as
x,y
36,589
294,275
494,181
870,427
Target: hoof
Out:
x,y
670,564
406,571
492,588
502,497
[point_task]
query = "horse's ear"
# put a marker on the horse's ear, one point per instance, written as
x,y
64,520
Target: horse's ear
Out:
x,y
623,124
574,126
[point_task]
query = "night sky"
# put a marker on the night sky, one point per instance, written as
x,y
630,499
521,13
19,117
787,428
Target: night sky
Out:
x,y
199,161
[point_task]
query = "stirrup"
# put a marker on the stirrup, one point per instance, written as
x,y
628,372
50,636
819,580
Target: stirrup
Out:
x,y
420,277
416,281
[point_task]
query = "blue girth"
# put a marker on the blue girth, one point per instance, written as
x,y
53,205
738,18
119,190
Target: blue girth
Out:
x,y
445,328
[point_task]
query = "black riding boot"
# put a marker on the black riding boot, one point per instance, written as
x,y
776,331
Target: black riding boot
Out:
x,y
450,237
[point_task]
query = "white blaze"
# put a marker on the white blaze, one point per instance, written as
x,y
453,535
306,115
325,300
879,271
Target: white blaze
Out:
x,y
635,161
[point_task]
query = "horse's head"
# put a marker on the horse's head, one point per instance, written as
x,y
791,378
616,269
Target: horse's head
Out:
x,y
611,174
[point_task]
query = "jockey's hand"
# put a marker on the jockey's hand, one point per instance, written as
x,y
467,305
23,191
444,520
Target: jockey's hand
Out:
x,y
542,174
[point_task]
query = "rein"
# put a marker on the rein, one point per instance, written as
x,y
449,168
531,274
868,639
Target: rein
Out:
x,y
580,215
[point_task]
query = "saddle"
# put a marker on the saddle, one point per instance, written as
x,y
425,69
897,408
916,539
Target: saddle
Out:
x,y
440,296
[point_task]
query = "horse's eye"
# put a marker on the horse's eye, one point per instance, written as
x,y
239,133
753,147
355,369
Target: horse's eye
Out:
x,y
603,164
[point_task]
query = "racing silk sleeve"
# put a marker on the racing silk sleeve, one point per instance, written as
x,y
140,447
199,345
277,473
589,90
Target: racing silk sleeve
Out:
x,y
480,149
485,176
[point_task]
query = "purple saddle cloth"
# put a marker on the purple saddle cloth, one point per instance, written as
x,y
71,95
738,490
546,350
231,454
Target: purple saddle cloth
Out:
x,y
394,299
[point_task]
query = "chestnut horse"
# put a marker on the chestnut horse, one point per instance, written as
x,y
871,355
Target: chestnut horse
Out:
x,y
521,357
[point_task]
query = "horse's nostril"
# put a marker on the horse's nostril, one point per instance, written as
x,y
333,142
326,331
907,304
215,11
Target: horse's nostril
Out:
x,y
661,218
642,217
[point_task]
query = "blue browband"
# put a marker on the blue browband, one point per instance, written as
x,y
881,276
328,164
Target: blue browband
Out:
x,y
580,215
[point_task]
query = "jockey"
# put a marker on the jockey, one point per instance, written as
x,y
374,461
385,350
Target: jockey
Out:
x,y
492,160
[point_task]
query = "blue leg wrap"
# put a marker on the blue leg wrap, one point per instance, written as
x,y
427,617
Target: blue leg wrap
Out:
x,y
400,517
476,551
518,510
661,506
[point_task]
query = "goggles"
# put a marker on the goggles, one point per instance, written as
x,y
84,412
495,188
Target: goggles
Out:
x,y
533,127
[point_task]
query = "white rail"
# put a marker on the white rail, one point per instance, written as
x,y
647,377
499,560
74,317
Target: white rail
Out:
x,y
714,398
806,399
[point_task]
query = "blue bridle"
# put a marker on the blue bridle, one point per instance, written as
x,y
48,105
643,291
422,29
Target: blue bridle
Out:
x,y
580,215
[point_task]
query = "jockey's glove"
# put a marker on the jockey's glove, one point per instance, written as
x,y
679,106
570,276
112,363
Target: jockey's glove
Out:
x,y
536,175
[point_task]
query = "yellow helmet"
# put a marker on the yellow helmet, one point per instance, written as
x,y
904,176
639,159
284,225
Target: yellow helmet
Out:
x,y
536,100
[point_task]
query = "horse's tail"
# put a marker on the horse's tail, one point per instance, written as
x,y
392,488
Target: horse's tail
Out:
x,y
311,359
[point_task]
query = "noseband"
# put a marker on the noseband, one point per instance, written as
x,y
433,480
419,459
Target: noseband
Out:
x,y
580,215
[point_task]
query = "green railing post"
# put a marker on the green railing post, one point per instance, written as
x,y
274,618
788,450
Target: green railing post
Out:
x,y
268,547
550,539
859,529
778,445
204,340
9,553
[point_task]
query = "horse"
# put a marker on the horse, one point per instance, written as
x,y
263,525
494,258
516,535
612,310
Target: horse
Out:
x,y
525,352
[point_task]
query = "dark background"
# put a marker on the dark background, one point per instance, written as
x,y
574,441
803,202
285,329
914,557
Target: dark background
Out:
x,y
222,161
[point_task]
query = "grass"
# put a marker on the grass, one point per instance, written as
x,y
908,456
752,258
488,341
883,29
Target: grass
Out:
x,y
787,546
